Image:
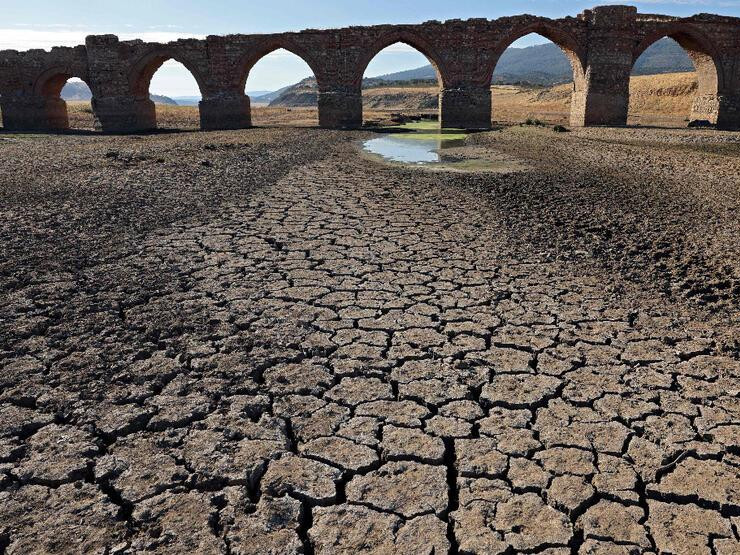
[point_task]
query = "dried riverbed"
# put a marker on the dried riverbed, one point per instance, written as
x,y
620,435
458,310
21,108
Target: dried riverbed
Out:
x,y
263,342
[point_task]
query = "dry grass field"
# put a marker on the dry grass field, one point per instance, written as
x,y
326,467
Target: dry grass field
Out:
x,y
663,100
400,98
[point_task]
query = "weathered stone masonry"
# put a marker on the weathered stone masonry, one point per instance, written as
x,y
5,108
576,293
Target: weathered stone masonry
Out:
x,y
602,44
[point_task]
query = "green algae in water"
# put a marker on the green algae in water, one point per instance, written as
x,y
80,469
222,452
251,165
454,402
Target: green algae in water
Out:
x,y
420,143
421,130
425,145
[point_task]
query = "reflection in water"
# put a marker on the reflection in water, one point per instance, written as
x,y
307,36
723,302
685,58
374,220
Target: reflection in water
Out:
x,y
427,146
400,149
421,144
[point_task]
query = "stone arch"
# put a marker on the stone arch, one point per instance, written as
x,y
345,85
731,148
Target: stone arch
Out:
x,y
698,46
255,54
141,75
405,37
399,36
706,105
51,81
48,87
550,30
247,62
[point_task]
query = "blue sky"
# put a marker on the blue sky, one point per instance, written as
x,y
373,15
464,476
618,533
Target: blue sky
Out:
x,y
43,23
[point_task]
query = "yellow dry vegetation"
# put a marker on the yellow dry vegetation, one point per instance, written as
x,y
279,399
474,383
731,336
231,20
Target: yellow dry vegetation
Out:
x,y
654,100
400,98
662,99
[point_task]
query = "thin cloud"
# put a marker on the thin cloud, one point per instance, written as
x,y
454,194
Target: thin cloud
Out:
x,y
26,36
27,39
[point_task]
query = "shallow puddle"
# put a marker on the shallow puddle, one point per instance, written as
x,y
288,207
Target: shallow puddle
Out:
x,y
424,144
420,143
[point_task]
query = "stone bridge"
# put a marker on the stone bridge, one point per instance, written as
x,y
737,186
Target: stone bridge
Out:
x,y
602,45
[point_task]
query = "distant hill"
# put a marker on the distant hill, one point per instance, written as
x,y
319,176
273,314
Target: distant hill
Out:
x,y
303,93
186,100
665,56
542,65
268,98
546,64
78,90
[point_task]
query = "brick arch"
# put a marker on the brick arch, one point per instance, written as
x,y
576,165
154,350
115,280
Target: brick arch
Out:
x,y
248,61
405,37
51,81
48,86
697,45
555,33
144,69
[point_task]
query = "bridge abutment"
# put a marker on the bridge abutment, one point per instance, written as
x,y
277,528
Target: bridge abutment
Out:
x,y
145,113
124,114
729,112
593,108
230,112
706,108
36,113
465,107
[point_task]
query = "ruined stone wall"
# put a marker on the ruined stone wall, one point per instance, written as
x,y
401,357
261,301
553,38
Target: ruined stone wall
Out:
x,y
120,73
602,45
30,84
618,35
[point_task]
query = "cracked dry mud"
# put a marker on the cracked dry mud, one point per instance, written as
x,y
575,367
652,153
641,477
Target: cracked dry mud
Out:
x,y
261,342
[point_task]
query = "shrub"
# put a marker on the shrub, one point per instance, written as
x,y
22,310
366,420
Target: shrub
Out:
x,y
560,129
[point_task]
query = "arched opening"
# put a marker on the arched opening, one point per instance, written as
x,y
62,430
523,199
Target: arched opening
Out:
x,y
67,101
78,97
283,90
538,71
674,81
535,77
157,83
400,82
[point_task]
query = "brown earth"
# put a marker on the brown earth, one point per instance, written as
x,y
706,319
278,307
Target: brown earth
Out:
x,y
263,342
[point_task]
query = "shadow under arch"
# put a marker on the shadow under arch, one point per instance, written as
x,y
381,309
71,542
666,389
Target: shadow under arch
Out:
x,y
140,78
48,86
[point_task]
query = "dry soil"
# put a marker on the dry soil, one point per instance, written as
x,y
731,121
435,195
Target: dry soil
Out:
x,y
262,342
